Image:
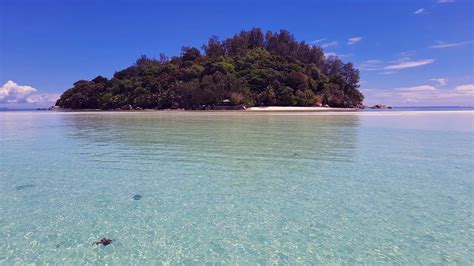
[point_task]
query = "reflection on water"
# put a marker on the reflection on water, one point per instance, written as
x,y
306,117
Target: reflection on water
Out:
x,y
192,187
218,136
196,143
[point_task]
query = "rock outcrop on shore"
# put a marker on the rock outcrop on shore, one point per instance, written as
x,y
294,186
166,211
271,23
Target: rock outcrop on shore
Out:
x,y
381,106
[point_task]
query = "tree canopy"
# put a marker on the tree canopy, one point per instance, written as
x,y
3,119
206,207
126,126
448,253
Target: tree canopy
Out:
x,y
250,68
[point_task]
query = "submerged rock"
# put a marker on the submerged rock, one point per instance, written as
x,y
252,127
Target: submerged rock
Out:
x,y
104,241
24,187
137,197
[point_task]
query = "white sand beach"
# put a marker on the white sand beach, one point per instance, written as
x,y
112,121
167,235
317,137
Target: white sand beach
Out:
x,y
297,109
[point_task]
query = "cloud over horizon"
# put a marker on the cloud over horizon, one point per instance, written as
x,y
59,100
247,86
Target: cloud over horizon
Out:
x,y
423,95
12,94
467,88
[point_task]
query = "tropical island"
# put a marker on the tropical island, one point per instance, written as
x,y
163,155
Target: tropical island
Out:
x,y
249,69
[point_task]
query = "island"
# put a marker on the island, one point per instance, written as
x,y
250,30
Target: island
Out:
x,y
250,69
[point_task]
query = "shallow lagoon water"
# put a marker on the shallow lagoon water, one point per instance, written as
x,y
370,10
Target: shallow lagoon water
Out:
x,y
237,188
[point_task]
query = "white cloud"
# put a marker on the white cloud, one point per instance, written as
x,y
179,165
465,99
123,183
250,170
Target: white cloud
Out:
x,y
467,88
12,93
462,95
445,1
440,81
409,64
440,45
43,98
417,88
419,11
318,41
330,44
354,40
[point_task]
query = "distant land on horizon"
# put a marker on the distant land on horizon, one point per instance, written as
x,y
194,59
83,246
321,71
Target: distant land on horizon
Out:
x,y
251,68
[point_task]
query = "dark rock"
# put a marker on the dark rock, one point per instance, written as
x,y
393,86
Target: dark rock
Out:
x,y
226,107
24,187
137,197
126,107
379,106
104,241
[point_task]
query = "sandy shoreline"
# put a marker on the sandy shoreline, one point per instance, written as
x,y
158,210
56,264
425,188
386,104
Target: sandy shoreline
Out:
x,y
298,109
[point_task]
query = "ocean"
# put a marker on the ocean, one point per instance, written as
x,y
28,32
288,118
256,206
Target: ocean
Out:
x,y
175,187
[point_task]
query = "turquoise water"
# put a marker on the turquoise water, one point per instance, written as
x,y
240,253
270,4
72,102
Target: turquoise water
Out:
x,y
237,188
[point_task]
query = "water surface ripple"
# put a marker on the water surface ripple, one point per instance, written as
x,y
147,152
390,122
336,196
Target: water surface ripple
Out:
x,y
236,188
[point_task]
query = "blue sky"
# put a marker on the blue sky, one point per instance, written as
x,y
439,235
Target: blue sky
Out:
x,y
410,53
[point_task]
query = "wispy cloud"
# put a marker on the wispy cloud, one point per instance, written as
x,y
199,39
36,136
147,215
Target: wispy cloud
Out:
x,y
46,98
354,40
422,94
445,1
329,44
410,64
417,88
318,40
440,81
467,88
388,73
370,65
419,11
439,44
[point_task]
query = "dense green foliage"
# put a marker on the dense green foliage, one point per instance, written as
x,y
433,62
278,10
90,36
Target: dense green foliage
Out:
x,y
250,68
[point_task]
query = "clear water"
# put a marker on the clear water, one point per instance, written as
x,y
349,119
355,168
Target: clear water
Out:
x,y
237,188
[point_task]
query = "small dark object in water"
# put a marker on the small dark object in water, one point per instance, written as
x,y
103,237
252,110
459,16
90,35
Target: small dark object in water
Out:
x,y
295,154
58,245
104,241
24,186
137,197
